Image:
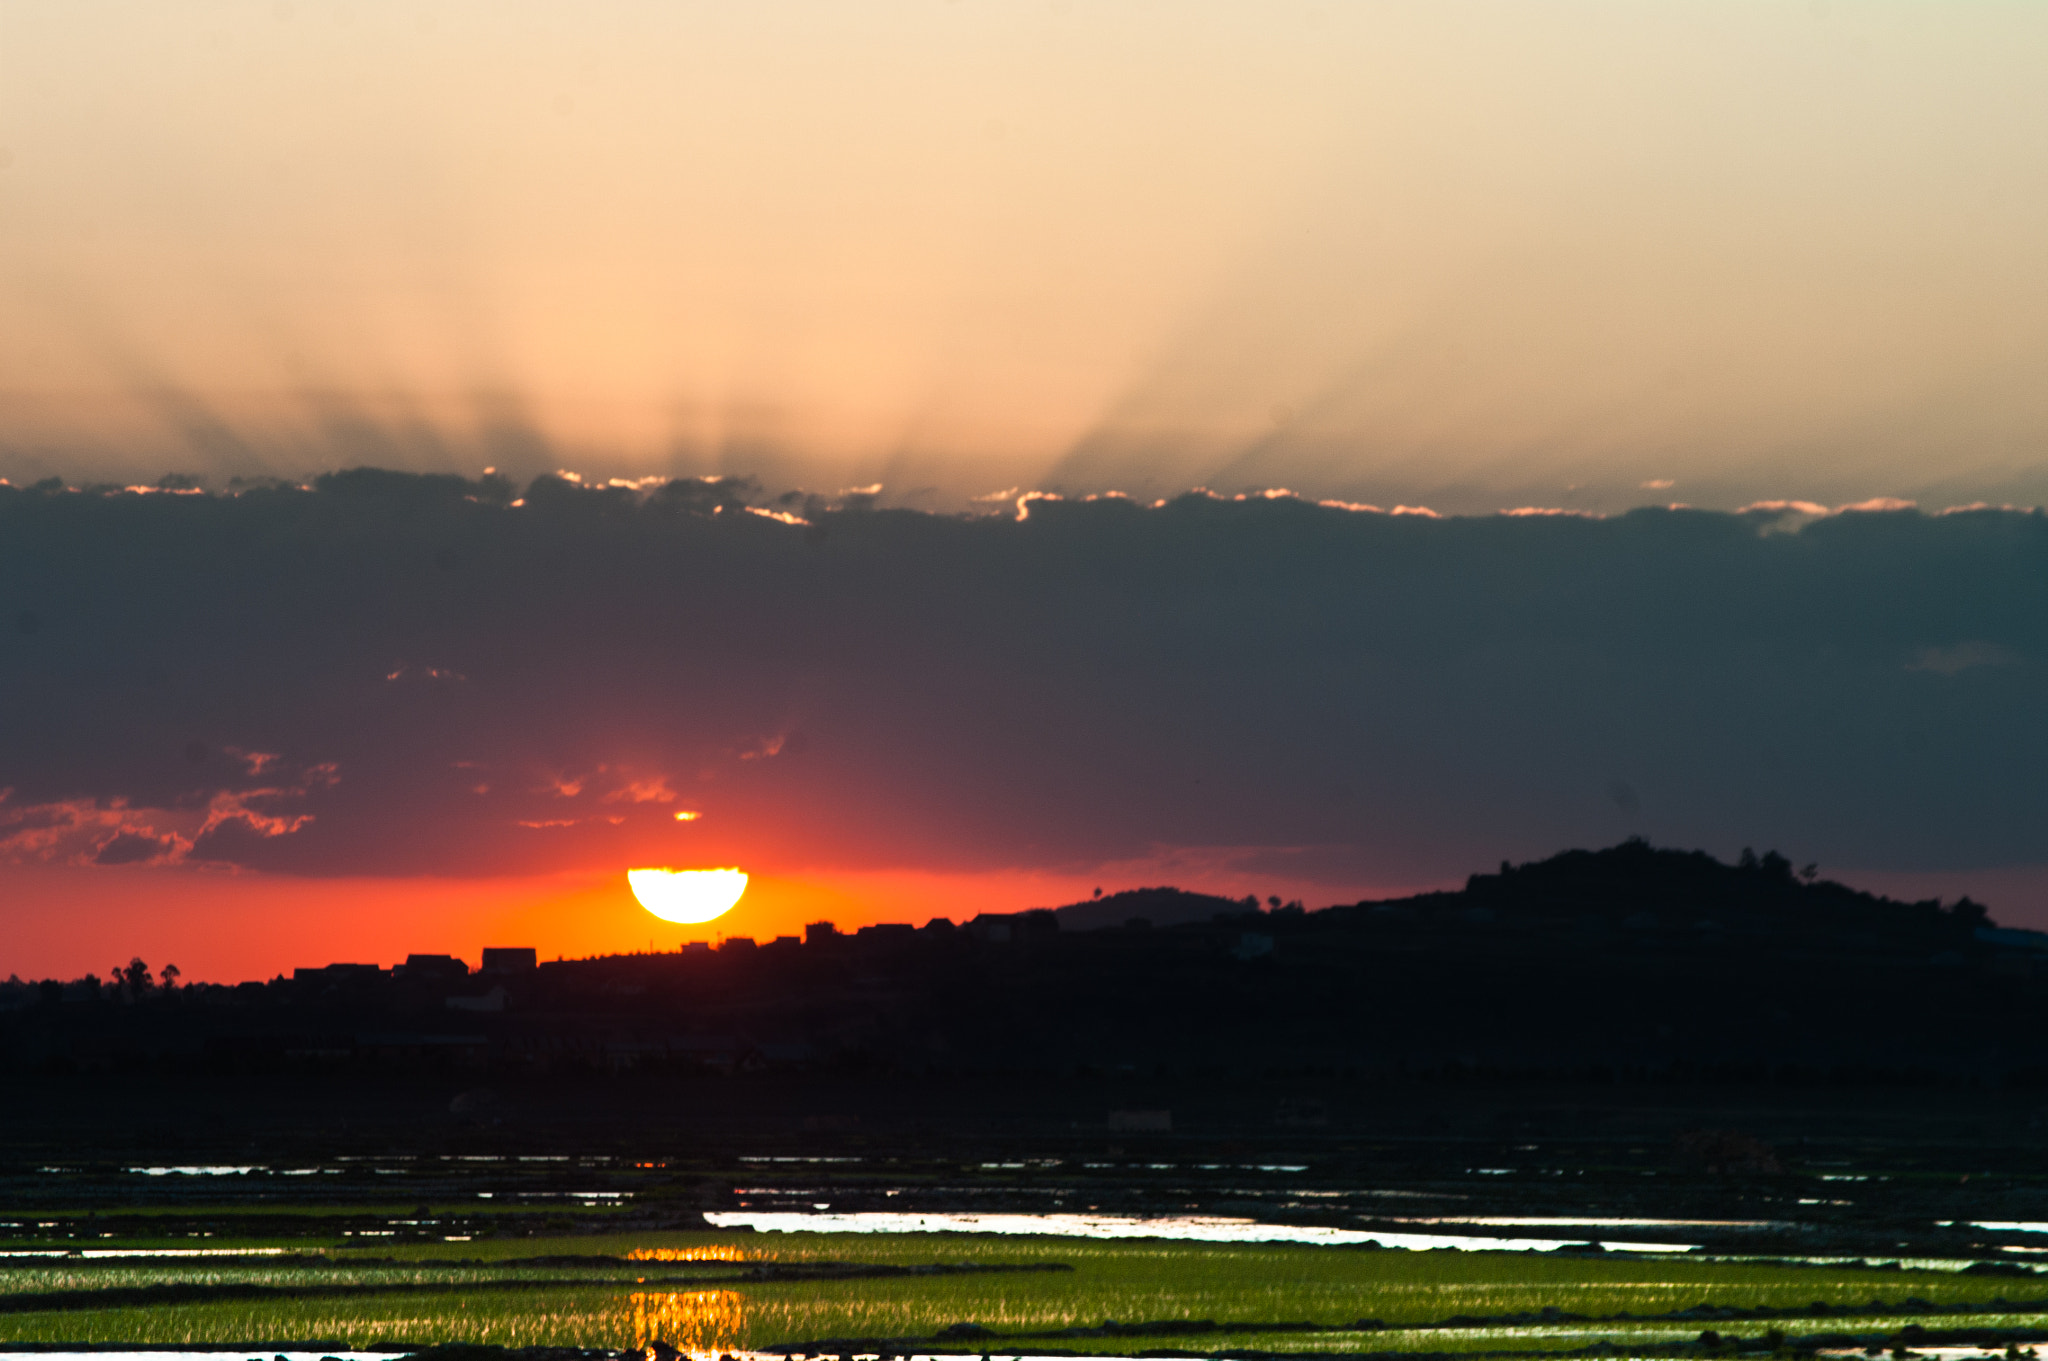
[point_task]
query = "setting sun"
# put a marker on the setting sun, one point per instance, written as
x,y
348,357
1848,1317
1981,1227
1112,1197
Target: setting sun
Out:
x,y
687,896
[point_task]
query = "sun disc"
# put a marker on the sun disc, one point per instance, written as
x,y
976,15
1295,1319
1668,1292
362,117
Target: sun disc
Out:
x,y
688,897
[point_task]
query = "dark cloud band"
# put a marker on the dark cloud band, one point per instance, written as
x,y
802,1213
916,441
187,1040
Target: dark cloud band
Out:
x,y
390,673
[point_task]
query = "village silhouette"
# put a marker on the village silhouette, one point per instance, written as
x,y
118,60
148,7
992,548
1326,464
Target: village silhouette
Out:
x,y
1630,965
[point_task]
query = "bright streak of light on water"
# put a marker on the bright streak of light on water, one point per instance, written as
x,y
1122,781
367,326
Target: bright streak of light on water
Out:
x,y
1192,1228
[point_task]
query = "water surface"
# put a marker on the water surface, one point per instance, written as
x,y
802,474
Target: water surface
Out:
x,y
1192,1228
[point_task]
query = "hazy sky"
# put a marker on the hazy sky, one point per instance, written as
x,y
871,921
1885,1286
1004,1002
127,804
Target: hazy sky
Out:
x,y
1470,255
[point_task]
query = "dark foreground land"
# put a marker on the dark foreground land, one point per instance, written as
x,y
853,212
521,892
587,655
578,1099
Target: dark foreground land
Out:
x,y
1830,1110
1630,965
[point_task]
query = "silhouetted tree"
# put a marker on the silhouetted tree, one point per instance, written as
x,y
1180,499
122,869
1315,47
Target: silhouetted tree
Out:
x,y
133,979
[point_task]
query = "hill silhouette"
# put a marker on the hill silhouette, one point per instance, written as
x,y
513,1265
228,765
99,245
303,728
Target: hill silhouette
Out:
x,y
1153,906
1646,887
1632,963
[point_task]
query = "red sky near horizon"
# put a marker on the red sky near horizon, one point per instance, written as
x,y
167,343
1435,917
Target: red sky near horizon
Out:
x,y
225,927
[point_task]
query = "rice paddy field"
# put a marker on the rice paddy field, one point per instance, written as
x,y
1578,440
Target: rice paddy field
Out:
x,y
1291,1243
705,1293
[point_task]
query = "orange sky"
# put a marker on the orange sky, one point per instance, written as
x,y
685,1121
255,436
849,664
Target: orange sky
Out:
x,y
220,926
227,927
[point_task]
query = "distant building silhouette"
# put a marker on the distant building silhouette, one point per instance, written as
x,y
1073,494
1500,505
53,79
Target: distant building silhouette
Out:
x,y
433,969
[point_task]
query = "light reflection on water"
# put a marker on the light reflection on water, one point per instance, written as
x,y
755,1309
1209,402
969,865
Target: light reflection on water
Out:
x,y
706,1252
1191,1228
688,1320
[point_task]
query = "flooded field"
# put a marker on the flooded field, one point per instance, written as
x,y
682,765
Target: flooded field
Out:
x,y
901,1294
834,1242
1409,1195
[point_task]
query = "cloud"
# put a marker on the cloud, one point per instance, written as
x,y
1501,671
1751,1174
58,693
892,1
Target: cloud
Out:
x,y
766,748
654,790
1082,682
199,823
136,848
1951,661
86,831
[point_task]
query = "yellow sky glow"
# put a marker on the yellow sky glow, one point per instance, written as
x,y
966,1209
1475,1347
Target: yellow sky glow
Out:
x,y
1459,255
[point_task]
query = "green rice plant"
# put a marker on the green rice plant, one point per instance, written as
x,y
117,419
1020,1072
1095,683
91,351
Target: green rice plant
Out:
x,y
1246,1285
25,1280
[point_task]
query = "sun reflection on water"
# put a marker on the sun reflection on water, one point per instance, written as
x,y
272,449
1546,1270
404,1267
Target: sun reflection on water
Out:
x,y
688,1320
703,1252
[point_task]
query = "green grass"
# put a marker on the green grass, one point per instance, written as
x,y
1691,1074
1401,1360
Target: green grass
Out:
x,y
1126,1281
31,1280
